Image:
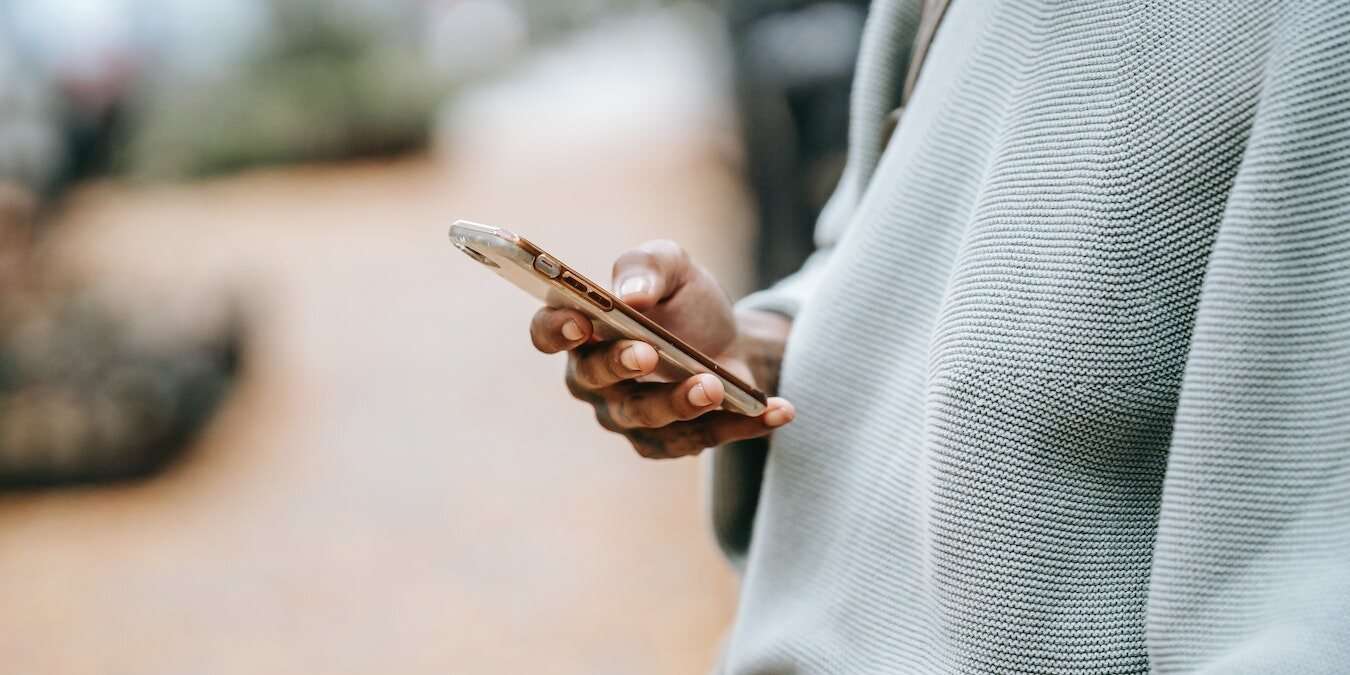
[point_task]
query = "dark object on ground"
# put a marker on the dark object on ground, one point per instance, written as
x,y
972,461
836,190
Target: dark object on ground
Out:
x,y
85,398
87,393
794,63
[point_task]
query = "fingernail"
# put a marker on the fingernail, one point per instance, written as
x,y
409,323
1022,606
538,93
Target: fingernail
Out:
x,y
779,416
571,331
698,396
629,358
634,286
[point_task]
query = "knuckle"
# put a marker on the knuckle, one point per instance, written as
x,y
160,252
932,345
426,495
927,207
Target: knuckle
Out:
x,y
647,444
633,410
582,389
584,372
622,414
706,436
540,342
648,416
604,419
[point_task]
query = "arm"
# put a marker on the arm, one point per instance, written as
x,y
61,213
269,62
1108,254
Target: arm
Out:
x,y
761,338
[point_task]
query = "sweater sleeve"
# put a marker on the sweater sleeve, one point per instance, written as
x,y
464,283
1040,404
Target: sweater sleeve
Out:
x,y
736,470
1251,569
788,296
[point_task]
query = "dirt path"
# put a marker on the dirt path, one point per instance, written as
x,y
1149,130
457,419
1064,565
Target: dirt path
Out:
x,y
399,485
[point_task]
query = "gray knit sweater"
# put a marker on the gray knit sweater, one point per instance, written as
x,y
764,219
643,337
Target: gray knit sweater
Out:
x,y
1072,365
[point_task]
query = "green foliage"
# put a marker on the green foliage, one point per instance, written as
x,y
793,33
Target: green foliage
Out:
x,y
323,88
327,85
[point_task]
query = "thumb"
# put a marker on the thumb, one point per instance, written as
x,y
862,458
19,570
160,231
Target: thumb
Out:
x,y
650,273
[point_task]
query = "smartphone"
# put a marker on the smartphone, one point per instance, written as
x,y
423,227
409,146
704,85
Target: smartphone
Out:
x,y
546,277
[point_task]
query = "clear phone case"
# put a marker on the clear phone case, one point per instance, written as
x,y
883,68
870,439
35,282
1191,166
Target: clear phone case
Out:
x,y
557,285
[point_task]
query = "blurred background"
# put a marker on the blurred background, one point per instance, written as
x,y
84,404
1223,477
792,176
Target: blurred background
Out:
x,y
257,416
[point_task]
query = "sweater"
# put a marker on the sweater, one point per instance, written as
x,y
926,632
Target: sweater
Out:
x,y
1072,362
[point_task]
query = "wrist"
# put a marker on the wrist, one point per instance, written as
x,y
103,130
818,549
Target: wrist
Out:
x,y
761,338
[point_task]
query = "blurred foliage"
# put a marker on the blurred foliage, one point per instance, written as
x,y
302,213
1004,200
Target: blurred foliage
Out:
x,y
549,18
30,135
324,86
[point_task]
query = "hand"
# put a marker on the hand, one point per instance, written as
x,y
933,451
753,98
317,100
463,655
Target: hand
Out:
x,y
665,417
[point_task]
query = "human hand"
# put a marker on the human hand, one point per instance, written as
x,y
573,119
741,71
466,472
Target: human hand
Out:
x,y
664,416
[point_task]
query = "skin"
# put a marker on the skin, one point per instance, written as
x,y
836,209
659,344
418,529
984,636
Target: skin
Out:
x,y
665,417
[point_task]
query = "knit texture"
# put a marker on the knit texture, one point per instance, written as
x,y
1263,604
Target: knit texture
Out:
x,y
1072,364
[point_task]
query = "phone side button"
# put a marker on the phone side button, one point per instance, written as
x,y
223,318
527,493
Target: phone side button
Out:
x,y
600,301
547,266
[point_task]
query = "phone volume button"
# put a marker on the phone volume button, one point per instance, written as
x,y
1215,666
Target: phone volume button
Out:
x,y
600,301
574,283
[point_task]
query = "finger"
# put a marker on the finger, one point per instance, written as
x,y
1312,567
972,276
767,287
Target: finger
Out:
x,y
650,273
657,405
554,330
604,418
682,439
609,363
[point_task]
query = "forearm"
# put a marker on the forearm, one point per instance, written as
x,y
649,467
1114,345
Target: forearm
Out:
x,y
761,338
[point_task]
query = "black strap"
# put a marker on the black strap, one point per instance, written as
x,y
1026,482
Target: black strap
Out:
x,y
930,17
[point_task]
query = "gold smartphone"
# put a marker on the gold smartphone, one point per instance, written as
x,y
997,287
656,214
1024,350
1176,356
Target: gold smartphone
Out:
x,y
546,277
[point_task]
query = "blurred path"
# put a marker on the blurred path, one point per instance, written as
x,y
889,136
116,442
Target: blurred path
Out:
x,y
400,485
